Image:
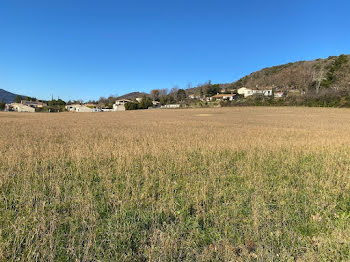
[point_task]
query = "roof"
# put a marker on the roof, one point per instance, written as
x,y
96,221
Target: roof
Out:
x,y
223,95
76,105
127,100
20,105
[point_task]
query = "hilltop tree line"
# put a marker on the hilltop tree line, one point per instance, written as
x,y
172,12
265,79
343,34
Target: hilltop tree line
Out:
x,y
165,97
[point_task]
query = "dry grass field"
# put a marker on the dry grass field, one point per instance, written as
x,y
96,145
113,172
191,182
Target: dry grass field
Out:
x,y
225,184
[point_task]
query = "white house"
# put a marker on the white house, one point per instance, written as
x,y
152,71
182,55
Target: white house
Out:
x,y
245,91
266,92
193,96
35,104
80,108
221,97
139,99
119,105
155,103
249,92
17,107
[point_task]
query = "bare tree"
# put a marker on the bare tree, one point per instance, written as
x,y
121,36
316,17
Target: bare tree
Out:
x,y
163,92
173,92
318,76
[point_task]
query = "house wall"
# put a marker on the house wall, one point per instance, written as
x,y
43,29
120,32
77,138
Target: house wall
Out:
x,y
278,94
118,107
80,108
22,108
245,91
84,109
171,106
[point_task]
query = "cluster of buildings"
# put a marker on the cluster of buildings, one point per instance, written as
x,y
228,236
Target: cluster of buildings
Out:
x,y
265,92
243,91
25,106
119,105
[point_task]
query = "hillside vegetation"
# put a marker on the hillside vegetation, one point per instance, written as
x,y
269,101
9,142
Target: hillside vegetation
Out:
x,y
333,72
316,76
261,184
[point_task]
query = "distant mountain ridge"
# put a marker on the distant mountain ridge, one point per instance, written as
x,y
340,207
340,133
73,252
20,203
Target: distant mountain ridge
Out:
x,y
7,97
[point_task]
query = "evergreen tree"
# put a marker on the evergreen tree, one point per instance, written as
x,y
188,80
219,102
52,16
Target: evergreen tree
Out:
x,y
18,99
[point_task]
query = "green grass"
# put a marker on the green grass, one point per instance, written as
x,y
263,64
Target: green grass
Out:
x,y
259,205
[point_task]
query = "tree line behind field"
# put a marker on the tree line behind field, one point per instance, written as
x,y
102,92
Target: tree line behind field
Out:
x,y
320,82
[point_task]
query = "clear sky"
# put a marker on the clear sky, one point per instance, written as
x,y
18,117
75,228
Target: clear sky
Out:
x,y
84,49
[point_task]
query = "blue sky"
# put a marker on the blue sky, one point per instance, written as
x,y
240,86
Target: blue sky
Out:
x,y
84,49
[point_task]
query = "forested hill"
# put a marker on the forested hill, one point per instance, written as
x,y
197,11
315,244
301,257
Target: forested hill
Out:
x,y
332,72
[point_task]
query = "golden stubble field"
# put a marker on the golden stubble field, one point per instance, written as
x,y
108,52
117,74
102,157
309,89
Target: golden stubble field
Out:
x,y
231,184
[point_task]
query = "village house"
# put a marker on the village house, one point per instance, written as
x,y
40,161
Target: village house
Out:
x,y
245,91
17,107
266,92
278,94
119,105
94,107
34,104
193,96
296,92
155,103
222,97
249,92
81,108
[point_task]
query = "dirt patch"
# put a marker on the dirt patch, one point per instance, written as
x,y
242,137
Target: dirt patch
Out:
x,y
204,115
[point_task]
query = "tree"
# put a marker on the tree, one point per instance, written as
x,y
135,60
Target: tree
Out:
x,y
181,95
155,94
163,100
28,98
2,105
331,75
318,77
169,99
174,90
56,105
18,99
145,103
213,90
163,92
201,93
131,106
